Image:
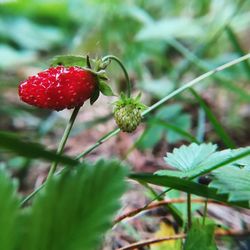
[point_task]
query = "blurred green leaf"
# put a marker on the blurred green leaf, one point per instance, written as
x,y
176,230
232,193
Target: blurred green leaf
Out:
x,y
157,87
169,121
14,144
180,27
11,57
30,35
9,217
223,135
79,207
200,237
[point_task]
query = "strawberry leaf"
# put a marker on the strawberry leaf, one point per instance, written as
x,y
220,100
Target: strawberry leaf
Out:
x,y
75,209
194,159
233,180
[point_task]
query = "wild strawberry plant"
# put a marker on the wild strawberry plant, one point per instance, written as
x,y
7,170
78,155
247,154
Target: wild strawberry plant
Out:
x,y
76,205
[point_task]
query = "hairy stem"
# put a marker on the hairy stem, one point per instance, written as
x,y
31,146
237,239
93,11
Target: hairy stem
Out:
x,y
63,142
111,57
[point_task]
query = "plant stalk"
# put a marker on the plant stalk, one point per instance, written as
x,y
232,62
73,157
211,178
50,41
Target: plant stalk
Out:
x,y
189,211
205,212
111,57
63,142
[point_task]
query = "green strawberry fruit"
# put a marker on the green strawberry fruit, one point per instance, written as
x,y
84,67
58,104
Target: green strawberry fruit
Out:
x,y
127,113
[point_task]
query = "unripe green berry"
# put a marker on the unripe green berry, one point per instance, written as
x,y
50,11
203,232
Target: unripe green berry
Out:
x,y
127,113
128,117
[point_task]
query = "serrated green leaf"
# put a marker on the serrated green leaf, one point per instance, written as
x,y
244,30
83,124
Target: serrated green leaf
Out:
x,y
13,143
195,158
75,209
105,89
232,181
69,60
8,212
201,237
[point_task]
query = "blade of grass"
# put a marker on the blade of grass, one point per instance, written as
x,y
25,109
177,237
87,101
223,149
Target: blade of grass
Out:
x,y
204,47
236,45
201,64
214,121
185,185
13,143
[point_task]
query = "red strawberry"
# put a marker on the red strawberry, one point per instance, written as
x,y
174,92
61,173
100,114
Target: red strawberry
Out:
x,y
58,88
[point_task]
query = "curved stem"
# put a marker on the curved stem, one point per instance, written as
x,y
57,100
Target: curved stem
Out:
x,y
63,141
111,57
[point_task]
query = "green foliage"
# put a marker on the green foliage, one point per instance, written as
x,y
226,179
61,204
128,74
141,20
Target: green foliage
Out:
x,y
9,214
171,181
72,212
169,122
200,237
214,121
13,143
232,181
79,206
105,89
170,27
194,159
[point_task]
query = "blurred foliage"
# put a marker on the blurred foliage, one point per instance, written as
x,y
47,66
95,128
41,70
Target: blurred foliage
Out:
x,y
162,43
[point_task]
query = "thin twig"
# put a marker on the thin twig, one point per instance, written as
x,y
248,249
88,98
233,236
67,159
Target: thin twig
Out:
x,y
136,211
233,233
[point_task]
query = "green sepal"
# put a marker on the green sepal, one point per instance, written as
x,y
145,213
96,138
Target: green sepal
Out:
x,y
95,95
105,89
124,101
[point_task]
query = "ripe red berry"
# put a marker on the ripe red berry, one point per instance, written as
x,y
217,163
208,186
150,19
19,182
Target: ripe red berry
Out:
x,y
58,88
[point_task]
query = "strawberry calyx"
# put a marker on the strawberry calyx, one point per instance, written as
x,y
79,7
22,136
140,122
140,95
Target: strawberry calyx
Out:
x,y
125,101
